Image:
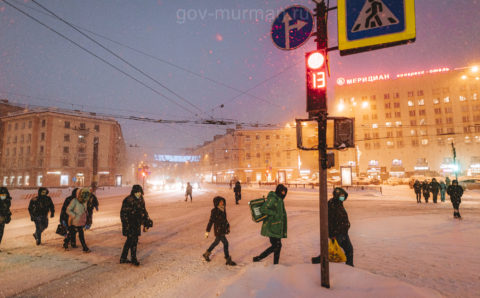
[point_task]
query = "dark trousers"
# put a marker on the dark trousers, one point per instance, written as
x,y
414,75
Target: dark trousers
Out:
x,y
426,196
456,206
72,234
225,245
419,197
41,223
2,227
186,197
346,245
442,196
238,197
130,244
276,247
435,194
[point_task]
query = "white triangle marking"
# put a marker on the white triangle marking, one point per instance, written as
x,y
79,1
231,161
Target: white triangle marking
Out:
x,y
374,14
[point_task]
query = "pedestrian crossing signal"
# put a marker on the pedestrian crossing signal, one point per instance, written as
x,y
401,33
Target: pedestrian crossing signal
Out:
x,y
316,81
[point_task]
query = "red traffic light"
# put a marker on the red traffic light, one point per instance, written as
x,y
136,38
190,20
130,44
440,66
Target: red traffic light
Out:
x,y
315,63
315,60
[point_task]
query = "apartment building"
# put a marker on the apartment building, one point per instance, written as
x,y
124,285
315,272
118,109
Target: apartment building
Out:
x,y
407,122
55,148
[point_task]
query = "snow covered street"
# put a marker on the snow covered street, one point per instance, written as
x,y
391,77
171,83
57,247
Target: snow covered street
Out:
x,y
415,250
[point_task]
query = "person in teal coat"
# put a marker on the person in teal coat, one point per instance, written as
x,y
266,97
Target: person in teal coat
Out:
x,y
275,225
443,188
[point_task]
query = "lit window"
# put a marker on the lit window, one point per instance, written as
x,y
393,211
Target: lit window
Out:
x,y
388,124
398,123
446,99
425,142
374,125
436,101
421,102
474,96
389,143
462,98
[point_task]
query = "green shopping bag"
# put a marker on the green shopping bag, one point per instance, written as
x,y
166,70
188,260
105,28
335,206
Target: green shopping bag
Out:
x,y
335,252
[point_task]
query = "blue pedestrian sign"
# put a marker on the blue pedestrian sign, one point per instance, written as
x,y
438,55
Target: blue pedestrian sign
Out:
x,y
370,24
292,28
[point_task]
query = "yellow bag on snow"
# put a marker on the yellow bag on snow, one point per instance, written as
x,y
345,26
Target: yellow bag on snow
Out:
x,y
335,252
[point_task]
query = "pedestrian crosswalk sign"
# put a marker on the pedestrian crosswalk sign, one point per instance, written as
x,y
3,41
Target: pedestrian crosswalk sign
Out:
x,y
365,25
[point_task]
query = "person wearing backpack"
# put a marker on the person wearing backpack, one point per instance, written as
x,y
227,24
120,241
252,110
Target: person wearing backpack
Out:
x,y
221,227
275,224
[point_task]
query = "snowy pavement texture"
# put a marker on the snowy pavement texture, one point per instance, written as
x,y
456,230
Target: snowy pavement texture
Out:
x,y
401,249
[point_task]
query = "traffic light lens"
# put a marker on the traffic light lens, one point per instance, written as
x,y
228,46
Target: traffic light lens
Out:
x,y
315,60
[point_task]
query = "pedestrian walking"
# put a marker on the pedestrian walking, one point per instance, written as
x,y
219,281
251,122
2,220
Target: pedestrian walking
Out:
x,y
443,188
133,215
64,220
275,224
434,187
5,213
417,187
238,192
455,192
338,224
38,208
221,227
77,218
447,181
91,204
188,192
426,190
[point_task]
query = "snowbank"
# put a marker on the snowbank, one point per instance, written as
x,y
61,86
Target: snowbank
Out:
x,y
303,280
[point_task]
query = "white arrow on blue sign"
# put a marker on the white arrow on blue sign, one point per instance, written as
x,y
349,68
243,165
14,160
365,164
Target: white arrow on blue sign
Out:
x,y
292,27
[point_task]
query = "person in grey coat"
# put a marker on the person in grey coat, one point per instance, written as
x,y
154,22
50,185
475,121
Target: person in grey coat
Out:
x,y
77,218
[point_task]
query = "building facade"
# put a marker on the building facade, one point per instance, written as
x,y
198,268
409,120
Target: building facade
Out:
x,y
52,148
410,122
253,155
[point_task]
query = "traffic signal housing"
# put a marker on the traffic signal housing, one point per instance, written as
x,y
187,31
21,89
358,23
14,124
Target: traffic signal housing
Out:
x,y
316,81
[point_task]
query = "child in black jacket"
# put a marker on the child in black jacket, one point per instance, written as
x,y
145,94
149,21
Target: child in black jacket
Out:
x,y
221,227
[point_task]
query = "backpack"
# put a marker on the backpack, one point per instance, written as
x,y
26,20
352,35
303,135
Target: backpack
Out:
x,y
255,205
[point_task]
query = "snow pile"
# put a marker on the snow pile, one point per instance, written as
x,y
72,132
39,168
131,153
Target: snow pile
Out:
x,y
303,280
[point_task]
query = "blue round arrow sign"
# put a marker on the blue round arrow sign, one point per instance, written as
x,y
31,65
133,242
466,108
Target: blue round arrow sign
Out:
x,y
292,27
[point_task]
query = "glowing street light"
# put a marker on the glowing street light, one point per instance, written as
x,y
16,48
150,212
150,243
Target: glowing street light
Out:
x,y
474,68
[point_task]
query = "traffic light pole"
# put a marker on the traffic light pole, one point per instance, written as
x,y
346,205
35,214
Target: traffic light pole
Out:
x,y
322,44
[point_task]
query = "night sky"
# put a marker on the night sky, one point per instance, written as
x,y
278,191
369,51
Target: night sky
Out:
x,y
224,56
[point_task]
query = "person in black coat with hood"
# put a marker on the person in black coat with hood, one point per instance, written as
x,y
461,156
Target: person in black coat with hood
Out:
x,y
91,204
238,192
38,208
426,190
455,192
64,218
133,215
434,188
5,214
338,224
221,227
417,186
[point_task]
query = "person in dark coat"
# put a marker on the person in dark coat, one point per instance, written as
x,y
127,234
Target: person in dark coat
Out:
x,y
455,192
92,203
426,190
133,215
338,224
38,208
64,217
5,213
275,224
434,188
417,186
221,227
188,192
238,192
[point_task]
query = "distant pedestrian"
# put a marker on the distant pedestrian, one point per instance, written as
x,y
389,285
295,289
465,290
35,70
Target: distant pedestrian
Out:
x,y
64,220
221,227
77,218
238,192
38,208
275,225
434,188
417,187
5,213
188,192
338,224
426,190
455,192
231,183
443,188
447,181
133,215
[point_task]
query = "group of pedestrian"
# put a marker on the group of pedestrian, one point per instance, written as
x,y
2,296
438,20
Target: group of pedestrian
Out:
x,y
433,187
454,190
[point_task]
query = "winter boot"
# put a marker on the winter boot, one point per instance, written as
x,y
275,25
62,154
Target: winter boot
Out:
x,y
230,262
133,251
257,259
124,261
206,255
